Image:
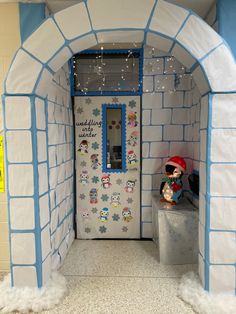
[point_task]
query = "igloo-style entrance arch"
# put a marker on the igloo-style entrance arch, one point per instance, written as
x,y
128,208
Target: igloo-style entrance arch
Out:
x,y
156,23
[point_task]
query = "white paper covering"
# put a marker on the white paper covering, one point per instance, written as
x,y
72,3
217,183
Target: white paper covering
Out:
x,y
222,279
204,112
222,180
201,269
202,208
21,105
20,178
73,21
59,60
45,242
158,42
20,142
22,213
42,146
44,83
223,145
224,111
222,248
23,74
44,210
201,239
110,14
46,269
200,80
40,114
83,43
120,37
23,248
44,43
203,177
183,56
198,37
168,18
203,141
220,68
43,178
24,276
223,213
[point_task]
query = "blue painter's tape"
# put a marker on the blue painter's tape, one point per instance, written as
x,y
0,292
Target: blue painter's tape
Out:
x,y
90,20
226,16
31,16
208,192
38,245
149,21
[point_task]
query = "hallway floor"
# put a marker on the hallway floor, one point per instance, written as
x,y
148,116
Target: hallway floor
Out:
x,y
110,276
118,276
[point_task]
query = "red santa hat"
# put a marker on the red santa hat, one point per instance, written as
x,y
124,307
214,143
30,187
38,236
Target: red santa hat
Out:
x,y
106,176
177,162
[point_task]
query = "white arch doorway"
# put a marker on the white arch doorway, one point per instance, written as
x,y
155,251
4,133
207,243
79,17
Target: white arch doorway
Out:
x,y
156,23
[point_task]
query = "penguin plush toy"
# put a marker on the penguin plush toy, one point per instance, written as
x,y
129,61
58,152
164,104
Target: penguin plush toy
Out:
x,y
171,186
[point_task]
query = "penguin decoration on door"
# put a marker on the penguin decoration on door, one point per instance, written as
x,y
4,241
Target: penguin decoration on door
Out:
x,y
171,188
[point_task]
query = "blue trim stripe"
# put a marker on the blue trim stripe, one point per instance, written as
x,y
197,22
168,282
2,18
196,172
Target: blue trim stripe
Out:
x,y
208,192
31,16
38,246
149,21
104,137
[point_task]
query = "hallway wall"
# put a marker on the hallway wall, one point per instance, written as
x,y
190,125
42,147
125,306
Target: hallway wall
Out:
x,y
10,42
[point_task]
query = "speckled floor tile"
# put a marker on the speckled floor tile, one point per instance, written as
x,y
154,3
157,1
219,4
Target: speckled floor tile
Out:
x,y
118,258
115,295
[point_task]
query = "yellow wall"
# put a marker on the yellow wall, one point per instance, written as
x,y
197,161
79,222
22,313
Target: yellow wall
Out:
x,y
9,43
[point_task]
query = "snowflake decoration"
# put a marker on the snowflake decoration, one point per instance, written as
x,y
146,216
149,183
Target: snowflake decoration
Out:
x,y
79,110
124,229
115,100
119,181
103,229
132,104
82,196
95,145
96,112
94,210
115,217
88,101
95,179
83,163
87,230
129,200
104,197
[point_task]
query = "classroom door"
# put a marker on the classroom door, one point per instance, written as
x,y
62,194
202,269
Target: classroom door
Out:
x,y
107,137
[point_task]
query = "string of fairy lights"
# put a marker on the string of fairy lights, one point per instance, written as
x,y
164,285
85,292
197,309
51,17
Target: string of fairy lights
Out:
x,y
98,71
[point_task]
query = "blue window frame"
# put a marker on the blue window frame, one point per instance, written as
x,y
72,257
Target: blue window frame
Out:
x,y
96,54
112,163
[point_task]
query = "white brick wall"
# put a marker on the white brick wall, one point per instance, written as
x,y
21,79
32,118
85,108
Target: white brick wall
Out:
x,y
161,116
171,116
173,133
60,130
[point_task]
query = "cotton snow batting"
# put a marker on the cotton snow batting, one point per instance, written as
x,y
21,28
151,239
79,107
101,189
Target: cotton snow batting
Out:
x,y
203,302
28,299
